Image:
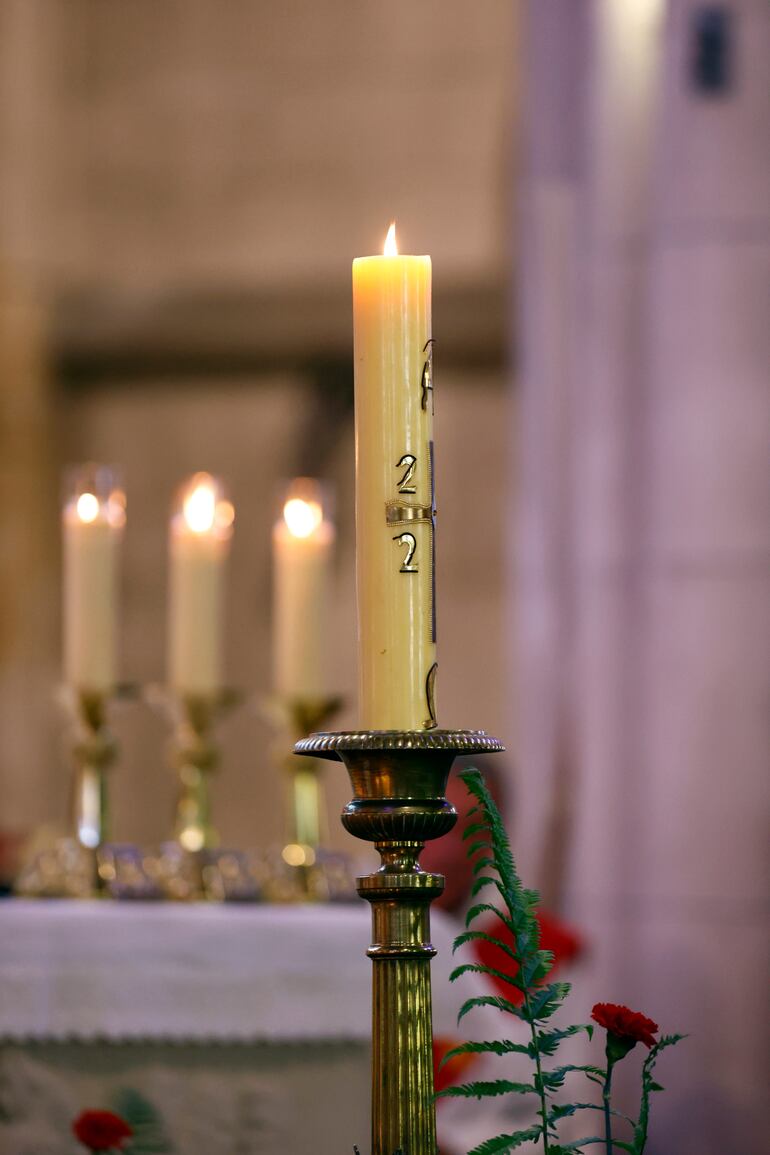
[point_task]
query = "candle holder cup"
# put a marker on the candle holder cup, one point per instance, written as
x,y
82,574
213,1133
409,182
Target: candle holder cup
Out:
x,y
399,783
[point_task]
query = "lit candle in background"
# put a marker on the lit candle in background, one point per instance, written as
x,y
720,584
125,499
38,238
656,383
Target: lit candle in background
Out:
x,y
93,519
395,511
303,540
201,527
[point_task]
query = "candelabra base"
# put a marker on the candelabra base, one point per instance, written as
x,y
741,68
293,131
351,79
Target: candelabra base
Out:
x,y
399,782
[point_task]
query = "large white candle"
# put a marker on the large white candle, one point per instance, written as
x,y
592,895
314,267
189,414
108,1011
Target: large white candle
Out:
x,y
303,540
93,519
395,511
201,527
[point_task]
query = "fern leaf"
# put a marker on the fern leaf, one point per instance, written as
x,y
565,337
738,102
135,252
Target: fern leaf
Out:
x,y
577,1145
482,936
493,1047
484,1090
563,1110
555,1079
548,1041
493,865
490,1001
502,1143
487,908
493,972
479,845
546,1001
475,828
480,883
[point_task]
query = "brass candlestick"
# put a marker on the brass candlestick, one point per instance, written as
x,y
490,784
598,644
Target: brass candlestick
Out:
x,y
94,752
399,781
305,809
195,757
306,870
71,867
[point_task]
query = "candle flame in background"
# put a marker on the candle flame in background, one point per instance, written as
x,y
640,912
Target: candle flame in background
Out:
x,y
302,517
200,505
391,248
87,507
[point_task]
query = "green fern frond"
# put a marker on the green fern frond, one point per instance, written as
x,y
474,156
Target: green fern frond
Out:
x,y
492,972
482,936
563,1110
494,866
577,1146
491,1047
486,1089
548,1041
497,1001
554,1079
503,1143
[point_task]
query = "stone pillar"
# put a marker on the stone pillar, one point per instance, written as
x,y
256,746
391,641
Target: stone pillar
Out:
x,y
545,294
703,886
643,548
32,787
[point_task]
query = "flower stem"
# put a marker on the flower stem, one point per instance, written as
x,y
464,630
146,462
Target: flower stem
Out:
x,y
606,1098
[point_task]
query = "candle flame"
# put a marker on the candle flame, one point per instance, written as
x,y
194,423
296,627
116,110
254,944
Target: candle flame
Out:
x,y
302,517
87,507
391,248
200,505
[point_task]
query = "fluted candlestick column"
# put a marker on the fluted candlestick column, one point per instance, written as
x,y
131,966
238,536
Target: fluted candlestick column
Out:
x,y
399,782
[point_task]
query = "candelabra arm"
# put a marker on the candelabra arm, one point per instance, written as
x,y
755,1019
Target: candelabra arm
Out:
x,y
399,782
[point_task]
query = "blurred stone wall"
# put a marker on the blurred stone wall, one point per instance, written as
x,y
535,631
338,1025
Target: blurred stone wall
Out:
x,y
185,183
643,562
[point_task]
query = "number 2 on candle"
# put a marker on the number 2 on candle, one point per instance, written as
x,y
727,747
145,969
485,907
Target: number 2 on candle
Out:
x,y
409,540
405,484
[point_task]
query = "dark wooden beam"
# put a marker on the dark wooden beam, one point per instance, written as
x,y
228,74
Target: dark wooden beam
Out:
x,y
102,337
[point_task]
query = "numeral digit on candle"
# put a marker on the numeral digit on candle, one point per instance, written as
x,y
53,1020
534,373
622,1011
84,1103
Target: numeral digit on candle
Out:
x,y
405,484
409,540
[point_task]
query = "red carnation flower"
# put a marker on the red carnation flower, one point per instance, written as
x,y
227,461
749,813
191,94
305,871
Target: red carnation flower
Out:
x,y
101,1130
625,1028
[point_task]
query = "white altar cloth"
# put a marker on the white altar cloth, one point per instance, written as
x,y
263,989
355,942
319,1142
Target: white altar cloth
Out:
x,y
86,971
272,1004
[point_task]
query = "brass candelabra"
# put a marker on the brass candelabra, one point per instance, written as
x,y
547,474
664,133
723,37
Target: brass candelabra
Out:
x,y
94,751
399,783
306,821
71,867
195,757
